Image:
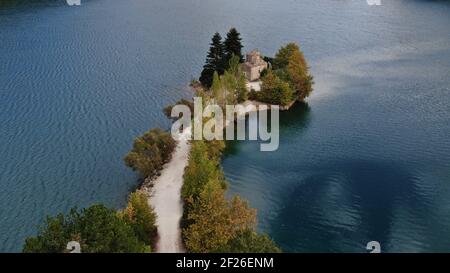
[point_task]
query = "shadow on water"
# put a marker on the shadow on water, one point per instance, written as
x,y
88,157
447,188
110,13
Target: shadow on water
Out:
x,y
295,120
347,204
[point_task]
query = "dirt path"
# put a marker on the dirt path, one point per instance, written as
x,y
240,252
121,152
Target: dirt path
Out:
x,y
165,198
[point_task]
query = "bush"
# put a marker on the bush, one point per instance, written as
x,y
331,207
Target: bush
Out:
x,y
241,90
140,216
203,166
168,109
150,152
216,220
253,95
211,222
290,65
97,229
248,241
275,91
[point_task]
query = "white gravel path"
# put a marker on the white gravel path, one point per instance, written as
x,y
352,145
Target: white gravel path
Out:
x,y
165,197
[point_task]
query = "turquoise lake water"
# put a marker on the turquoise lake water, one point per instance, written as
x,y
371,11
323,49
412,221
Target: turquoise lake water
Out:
x,y
367,158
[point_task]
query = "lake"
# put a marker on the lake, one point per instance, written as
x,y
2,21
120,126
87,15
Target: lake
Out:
x,y
367,158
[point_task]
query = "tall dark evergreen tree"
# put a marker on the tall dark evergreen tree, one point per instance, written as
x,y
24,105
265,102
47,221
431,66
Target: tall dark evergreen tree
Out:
x,y
233,45
214,60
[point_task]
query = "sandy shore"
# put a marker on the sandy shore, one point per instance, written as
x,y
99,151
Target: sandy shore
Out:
x,y
165,197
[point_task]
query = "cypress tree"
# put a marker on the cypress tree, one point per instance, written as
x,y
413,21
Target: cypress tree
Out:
x,y
233,45
214,61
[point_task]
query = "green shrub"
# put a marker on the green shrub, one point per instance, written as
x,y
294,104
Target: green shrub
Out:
x,y
248,241
97,229
275,91
168,109
290,65
140,216
150,152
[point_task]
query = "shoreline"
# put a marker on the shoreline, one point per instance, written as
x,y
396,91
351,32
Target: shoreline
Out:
x,y
197,87
164,191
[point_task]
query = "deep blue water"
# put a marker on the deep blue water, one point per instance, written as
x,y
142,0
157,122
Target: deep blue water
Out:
x,y
367,159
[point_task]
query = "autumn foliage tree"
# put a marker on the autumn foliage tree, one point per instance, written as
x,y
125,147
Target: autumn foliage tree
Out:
x,y
275,91
231,87
216,220
290,65
202,168
168,109
150,152
249,241
211,221
140,216
98,230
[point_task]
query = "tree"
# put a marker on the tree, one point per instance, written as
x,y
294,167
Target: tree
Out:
x,y
241,89
238,82
232,85
234,66
140,216
229,85
150,152
168,109
299,76
101,230
275,91
233,46
248,241
214,61
214,150
203,167
97,229
206,76
290,65
211,222
51,238
281,59
200,170
216,88
216,220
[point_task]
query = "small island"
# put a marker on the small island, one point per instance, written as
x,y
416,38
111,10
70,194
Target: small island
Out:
x,y
231,79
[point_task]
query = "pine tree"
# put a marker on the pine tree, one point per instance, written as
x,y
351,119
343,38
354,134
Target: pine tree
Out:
x,y
214,61
233,45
